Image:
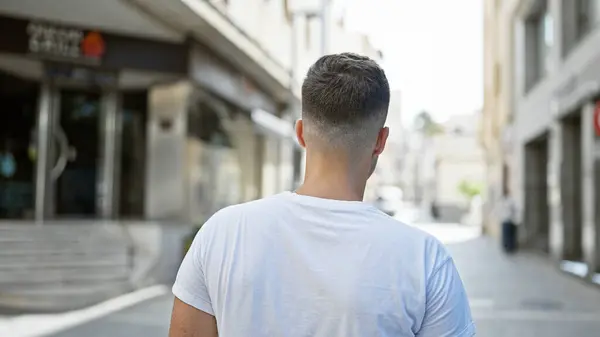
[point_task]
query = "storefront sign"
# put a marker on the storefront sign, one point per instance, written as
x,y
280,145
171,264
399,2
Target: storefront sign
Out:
x,y
597,119
50,40
79,45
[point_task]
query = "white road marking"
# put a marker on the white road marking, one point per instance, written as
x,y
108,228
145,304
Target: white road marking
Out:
x,y
47,324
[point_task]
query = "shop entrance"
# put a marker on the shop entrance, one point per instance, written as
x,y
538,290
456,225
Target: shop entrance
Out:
x,y
537,209
18,111
571,188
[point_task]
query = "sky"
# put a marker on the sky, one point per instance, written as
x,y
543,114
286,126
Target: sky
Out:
x,y
433,51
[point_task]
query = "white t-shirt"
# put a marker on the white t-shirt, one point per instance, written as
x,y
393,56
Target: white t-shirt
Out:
x,y
299,266
508,210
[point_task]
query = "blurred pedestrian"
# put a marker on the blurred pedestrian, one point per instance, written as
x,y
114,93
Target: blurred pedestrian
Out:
x,y
435,211
508,215
319,261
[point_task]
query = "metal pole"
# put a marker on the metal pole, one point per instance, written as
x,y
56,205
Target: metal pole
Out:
x,y
108,165
43,150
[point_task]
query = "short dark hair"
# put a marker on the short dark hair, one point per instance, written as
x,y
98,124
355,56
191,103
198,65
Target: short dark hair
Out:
x,y
345,98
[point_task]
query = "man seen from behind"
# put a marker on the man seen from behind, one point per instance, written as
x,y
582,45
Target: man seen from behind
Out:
x,y
320,262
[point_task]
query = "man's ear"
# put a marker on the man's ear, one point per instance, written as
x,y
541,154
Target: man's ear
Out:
x,y
381,140
300,133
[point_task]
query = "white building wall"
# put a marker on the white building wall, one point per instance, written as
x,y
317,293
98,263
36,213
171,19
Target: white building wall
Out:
x,y
267,23
270,24
451,173
458,157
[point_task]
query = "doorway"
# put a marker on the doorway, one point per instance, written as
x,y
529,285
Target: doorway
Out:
x,y
537,210
18,111
76,150
571,188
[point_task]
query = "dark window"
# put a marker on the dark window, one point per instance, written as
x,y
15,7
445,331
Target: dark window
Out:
x,y
539,40
18,99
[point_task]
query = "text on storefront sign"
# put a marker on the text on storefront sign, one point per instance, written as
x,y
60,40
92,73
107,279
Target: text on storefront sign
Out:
x,y
64,42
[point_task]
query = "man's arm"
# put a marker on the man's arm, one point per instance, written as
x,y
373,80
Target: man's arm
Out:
x,y
193,314
447,312
187,321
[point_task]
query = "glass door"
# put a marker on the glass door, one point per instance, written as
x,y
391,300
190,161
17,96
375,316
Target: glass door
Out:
x,y
18,99
77,118
132,171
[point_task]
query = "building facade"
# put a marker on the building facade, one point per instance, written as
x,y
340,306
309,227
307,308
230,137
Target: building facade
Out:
x,y
556,158
135,120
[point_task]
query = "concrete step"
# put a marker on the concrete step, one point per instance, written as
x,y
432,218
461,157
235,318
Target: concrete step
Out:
x,y
74,250
25,238
60,298
75,246
48,256
61,233
63,265
59,225
29,280
34,277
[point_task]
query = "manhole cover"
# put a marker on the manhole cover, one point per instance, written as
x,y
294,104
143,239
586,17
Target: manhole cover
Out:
x,y
541,304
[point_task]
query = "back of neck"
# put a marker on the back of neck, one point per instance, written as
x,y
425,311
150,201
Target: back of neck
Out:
x,y
329,181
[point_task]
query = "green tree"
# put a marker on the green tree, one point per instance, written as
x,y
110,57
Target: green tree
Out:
x,y
425,124
469,189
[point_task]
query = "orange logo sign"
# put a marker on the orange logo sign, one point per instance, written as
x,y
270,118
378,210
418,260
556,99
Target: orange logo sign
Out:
x,y
93,45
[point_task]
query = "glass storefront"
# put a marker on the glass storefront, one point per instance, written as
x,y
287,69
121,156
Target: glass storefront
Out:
x,y
74,119
62,146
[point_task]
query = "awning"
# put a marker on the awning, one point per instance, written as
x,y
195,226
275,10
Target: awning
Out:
x,y
273,125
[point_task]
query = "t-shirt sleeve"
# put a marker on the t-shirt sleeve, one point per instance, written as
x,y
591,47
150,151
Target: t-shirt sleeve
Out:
x,y
447,312
190,284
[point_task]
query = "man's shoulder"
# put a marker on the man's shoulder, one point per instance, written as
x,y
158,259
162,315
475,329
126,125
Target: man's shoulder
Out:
x,y
234,213
400,228
414,236
249,206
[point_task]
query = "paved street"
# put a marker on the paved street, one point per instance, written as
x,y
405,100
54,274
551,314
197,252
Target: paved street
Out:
x,y
523,295
148,319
